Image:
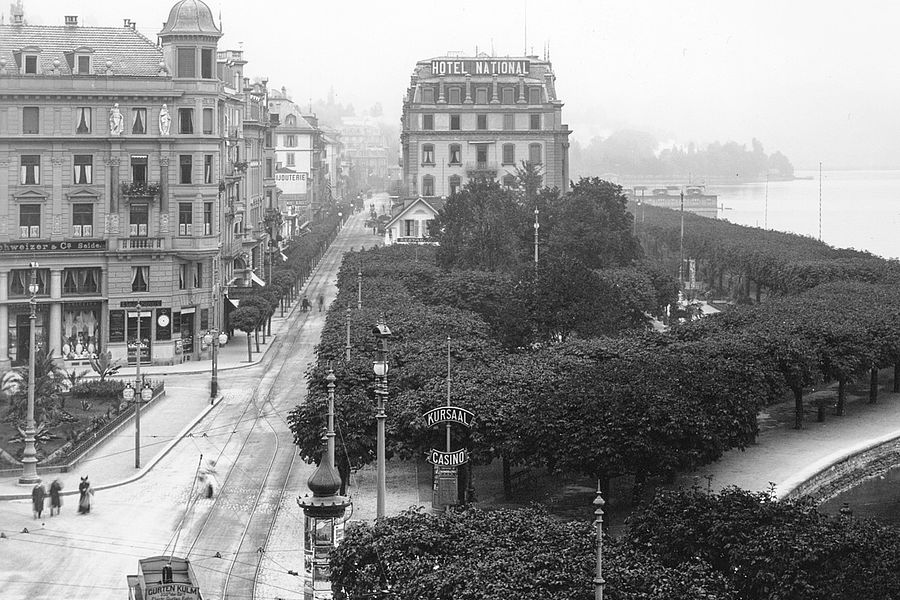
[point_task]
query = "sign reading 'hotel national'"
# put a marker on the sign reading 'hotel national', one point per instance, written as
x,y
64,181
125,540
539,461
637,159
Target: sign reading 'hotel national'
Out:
x,y
493,66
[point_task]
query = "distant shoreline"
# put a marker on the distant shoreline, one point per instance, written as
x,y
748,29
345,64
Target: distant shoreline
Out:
x,y
633,180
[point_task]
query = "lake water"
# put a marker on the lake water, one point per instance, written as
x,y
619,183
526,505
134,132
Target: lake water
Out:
x,y
860,209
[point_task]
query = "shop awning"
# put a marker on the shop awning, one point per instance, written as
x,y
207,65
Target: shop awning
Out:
x,y
257,280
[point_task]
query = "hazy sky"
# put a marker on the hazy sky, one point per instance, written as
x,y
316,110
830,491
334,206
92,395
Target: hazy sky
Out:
x,y
817,80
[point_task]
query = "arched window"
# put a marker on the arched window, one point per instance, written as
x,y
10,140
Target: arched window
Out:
x,y
290,121
455,184
428,186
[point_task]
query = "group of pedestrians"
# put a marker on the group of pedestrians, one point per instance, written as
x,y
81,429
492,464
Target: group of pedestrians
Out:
x,y
305,306
39,495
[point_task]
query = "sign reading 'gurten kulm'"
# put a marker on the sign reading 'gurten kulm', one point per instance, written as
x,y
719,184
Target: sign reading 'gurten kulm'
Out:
x,y
493,66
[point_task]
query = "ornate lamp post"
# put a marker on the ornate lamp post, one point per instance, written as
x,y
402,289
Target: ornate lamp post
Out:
x,y
359,286
29,455
536,227
380,367
214,338
347,347
323,513
599,582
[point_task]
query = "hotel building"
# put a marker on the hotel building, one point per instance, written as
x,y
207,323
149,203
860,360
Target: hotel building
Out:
x,y
481,117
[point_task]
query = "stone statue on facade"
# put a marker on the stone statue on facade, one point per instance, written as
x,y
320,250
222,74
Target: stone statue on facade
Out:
x,y
165,120
116,121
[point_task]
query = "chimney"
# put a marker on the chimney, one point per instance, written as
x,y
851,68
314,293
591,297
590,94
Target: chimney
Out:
x,y
128,23
71,21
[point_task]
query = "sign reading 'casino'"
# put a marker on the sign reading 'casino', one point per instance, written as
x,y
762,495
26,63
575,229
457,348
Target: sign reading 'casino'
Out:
x,y
492,66
448,414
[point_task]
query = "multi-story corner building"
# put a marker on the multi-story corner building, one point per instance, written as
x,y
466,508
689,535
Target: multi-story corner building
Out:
x,y
481,116
113,167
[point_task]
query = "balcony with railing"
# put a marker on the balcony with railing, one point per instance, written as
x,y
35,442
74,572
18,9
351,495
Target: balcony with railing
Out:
x,y
141,243
481,168
139,190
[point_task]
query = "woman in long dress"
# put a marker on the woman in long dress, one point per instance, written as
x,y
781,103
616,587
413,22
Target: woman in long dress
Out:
x,y
84,500
55,499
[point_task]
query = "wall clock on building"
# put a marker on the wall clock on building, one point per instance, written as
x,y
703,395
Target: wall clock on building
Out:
x,y
163,320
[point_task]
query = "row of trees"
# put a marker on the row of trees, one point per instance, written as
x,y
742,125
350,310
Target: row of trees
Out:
x,y
683,544
739,260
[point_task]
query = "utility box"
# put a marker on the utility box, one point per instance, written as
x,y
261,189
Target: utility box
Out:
x,y
446,491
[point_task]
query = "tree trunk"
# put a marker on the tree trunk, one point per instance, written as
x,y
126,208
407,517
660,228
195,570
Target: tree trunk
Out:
x,y
249,349
637,490
281,306
256,336
269,324
507,479
758,292
896,377
839,410
798,407
873,385
263,328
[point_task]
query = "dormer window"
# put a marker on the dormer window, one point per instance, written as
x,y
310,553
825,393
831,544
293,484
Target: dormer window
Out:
x,y
30,64
83,64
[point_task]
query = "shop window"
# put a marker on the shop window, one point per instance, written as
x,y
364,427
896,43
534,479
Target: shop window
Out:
x,y
139,280
139,219
185,166
428,95
83,169
139,326
80,332
535,121
534,154
455,93
428,186
428,122
509,122
187,330
31,169
83,220
508,95
187,62
139,169
207,168
186,120
455,154
455,184
509,154
207,218
454,122
81,281
428,154
534,95
83,119
139,121
31,116
481,122
30,220
481,95
185,218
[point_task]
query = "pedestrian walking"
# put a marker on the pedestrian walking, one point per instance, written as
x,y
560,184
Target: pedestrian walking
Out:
x,y
55,499
305,306
85,496
38,493
321,300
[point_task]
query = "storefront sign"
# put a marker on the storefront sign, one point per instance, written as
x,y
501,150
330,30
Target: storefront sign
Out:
x,y
143,303
73,246
172,591
480,67
291,182
448,414
448,459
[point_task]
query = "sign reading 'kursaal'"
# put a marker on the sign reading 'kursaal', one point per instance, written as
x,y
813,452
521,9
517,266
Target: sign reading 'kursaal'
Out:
x,y
448,414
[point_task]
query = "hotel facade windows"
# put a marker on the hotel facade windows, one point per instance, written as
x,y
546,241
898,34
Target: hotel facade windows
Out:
x,y
478,117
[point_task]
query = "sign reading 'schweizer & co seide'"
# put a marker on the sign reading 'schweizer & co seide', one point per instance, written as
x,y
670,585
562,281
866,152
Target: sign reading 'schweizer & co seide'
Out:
x,y
491,66
66,246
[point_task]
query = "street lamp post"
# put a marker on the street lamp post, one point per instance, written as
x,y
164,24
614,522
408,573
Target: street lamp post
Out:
x,y
599,582
537,226
137,386
29,455
380,366
214,338
348,333
359,287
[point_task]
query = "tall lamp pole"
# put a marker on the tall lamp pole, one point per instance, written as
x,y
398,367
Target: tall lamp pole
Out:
x,y
347,348
359,287
29,455
599,582
536,227
214,338
681,247
137,387
380,366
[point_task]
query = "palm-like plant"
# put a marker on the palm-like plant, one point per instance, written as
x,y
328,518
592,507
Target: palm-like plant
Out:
x,y
49,380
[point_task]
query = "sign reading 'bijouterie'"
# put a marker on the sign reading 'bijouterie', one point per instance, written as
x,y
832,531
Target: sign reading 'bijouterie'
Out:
x,y
67,246
493,66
